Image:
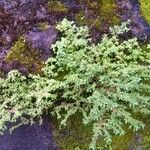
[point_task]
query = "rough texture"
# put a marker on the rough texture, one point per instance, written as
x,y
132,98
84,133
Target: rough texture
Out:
x,y
42,40
22,17
28,137
130,9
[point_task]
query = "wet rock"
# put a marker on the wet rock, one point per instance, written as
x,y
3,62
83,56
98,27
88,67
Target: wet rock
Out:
x,y
130,10
42,40
26,137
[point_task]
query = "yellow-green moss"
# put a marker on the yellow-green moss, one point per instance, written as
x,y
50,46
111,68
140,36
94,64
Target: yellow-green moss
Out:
x,y
57,6
105,12
108,11
145,9
80,18
21,53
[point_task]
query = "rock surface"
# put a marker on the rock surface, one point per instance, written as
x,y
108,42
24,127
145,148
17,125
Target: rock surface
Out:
x,y
130,10
42,40
22,17
26,137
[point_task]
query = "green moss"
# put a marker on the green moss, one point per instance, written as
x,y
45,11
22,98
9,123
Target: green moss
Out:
x,y
1,74
21,53
145,9
81,19
56,6
105,11
108,11
146,134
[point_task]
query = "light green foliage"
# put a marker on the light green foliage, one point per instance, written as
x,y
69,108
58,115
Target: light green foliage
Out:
x,y
106,83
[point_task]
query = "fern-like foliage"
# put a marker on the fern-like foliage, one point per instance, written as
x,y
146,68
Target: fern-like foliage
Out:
x,y
107,82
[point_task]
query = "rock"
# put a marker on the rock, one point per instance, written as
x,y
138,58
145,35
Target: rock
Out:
x,y
130,10
26,137
19,17
42,40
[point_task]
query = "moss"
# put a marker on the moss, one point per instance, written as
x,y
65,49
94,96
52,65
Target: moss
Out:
x,y
81,19
42,25
108,11
146,134
105,11
22,54
145,5
57,6
76,135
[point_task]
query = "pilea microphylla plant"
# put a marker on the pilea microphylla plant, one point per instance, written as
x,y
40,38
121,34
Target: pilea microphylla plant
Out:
x,y
107,83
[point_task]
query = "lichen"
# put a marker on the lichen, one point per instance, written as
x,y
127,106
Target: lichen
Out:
x,y
21,53
145,5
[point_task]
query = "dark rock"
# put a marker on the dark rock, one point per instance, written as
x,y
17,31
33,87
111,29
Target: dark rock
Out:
x,y
42,40
130,10
26,137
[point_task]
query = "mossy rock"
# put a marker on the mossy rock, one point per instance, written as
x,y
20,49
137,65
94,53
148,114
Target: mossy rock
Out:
x,y
104,10
21,53
145,9
56,6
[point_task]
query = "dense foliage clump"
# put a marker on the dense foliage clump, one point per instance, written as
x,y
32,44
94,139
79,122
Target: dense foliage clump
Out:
x,y
107,83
